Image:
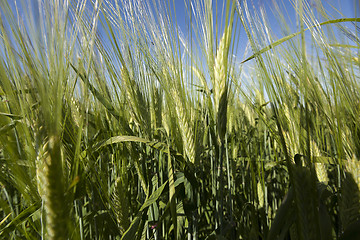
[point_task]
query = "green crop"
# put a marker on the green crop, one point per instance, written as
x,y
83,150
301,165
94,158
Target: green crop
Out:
x,y
116,125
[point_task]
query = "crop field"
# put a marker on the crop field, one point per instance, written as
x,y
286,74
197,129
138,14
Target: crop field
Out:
x,y
121,119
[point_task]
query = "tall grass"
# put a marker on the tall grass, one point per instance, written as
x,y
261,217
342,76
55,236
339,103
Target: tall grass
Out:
x,y
116,125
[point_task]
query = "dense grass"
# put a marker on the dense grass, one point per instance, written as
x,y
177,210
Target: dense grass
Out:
x,y
114,125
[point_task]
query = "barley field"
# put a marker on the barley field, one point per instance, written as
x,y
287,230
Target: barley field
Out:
x,y
117,123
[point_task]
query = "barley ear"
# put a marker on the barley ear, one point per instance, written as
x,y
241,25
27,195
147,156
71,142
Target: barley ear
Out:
x,y
220,84
136,99
121,204
40,173
55,206
350,201
185,127
350,194
321,172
